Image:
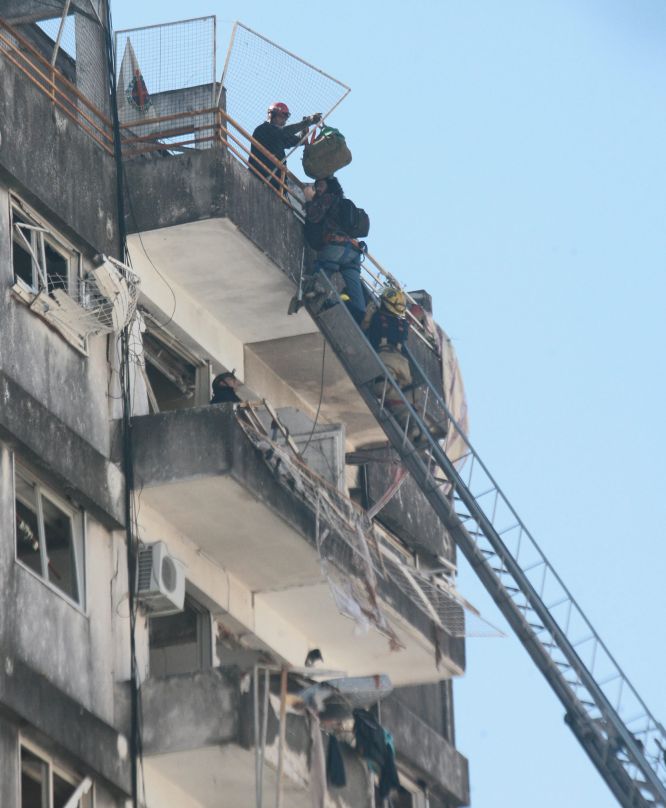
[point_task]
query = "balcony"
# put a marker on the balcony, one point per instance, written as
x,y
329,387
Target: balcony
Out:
x,y
298,561
228,254
198,733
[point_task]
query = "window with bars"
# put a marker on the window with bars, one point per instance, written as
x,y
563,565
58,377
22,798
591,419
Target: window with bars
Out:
x,y
49,536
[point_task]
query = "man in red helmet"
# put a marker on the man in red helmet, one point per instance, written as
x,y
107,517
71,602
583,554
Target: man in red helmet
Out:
x,y
276,138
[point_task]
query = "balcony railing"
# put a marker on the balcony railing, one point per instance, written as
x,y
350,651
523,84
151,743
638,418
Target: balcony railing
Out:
x,y
179,131
51,81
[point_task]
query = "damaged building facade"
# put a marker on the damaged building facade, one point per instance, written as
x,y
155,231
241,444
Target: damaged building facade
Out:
x,y
201,604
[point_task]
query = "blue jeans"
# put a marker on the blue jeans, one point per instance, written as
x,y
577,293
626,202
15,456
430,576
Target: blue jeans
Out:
x,y
346,260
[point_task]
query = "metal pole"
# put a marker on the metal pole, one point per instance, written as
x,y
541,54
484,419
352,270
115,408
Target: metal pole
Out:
x,y
264,732
56,48
283,722
84,788
255,701
226,63
214,76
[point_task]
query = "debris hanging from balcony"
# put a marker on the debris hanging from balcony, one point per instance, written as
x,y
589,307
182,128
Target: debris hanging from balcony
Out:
x,y
348,540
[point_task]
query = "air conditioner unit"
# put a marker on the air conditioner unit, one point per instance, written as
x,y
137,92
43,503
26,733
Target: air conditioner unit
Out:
x,y
160,580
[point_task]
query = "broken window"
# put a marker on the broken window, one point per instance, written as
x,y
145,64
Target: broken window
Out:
x,y
45,784
49,536
41,261
176,377
181,643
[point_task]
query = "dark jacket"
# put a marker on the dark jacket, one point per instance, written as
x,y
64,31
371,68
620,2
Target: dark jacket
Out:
x,y
224,395
277,140
385,330
322,212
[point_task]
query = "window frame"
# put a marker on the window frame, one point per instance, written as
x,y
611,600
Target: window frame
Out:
x,y
42,237
54,767
204,643
78,524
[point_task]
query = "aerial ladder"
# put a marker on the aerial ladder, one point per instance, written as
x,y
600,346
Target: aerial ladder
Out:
x,y
604,711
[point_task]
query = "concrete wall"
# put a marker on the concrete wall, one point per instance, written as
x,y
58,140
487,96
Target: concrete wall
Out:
x,y
426,753
9,764
70,386
55,653
408,514
46,156
162,190
432,703
190,711
174,189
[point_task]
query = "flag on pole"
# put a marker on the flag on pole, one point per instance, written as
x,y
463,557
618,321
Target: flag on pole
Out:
x,y
134,100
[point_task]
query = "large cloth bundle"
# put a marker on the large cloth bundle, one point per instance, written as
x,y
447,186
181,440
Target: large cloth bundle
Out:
x,y
328,153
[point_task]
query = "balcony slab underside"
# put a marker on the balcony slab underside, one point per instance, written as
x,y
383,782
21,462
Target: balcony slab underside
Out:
x,y
226,290
198,470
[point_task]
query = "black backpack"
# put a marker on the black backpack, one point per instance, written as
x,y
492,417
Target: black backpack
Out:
x,y
354,221
314,234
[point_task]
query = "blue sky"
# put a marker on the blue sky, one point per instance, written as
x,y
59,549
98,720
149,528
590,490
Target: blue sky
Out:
x,y
511,157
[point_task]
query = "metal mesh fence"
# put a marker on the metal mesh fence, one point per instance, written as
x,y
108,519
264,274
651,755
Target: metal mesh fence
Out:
x,y
91,68
258,72
68,36
163,72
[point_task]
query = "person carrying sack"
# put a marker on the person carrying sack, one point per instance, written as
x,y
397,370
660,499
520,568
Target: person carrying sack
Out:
x,y
276,138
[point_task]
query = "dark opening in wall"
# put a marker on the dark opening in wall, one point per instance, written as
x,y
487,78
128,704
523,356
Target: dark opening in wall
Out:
x,y
181,643
178,379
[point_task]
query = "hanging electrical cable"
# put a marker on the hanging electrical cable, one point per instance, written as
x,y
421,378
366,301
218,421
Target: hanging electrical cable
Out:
x,y
128,458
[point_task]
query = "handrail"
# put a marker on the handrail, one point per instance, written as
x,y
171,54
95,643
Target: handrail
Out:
x,y
56,86
99,127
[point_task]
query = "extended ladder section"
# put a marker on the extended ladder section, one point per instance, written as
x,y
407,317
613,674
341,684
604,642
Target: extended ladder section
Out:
x,y
616,729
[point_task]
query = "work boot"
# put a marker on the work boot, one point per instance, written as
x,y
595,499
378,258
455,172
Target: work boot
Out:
x,y
313,288
295,304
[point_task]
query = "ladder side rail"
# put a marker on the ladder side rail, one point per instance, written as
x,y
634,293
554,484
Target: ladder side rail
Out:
x,y
529,638
591,739
431,489
460,485
610,769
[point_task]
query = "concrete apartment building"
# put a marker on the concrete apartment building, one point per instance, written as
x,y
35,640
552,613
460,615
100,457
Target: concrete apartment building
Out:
x,y
263,523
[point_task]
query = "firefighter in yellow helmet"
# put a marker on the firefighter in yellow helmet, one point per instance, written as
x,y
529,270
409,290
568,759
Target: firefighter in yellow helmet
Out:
x,y
387,329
